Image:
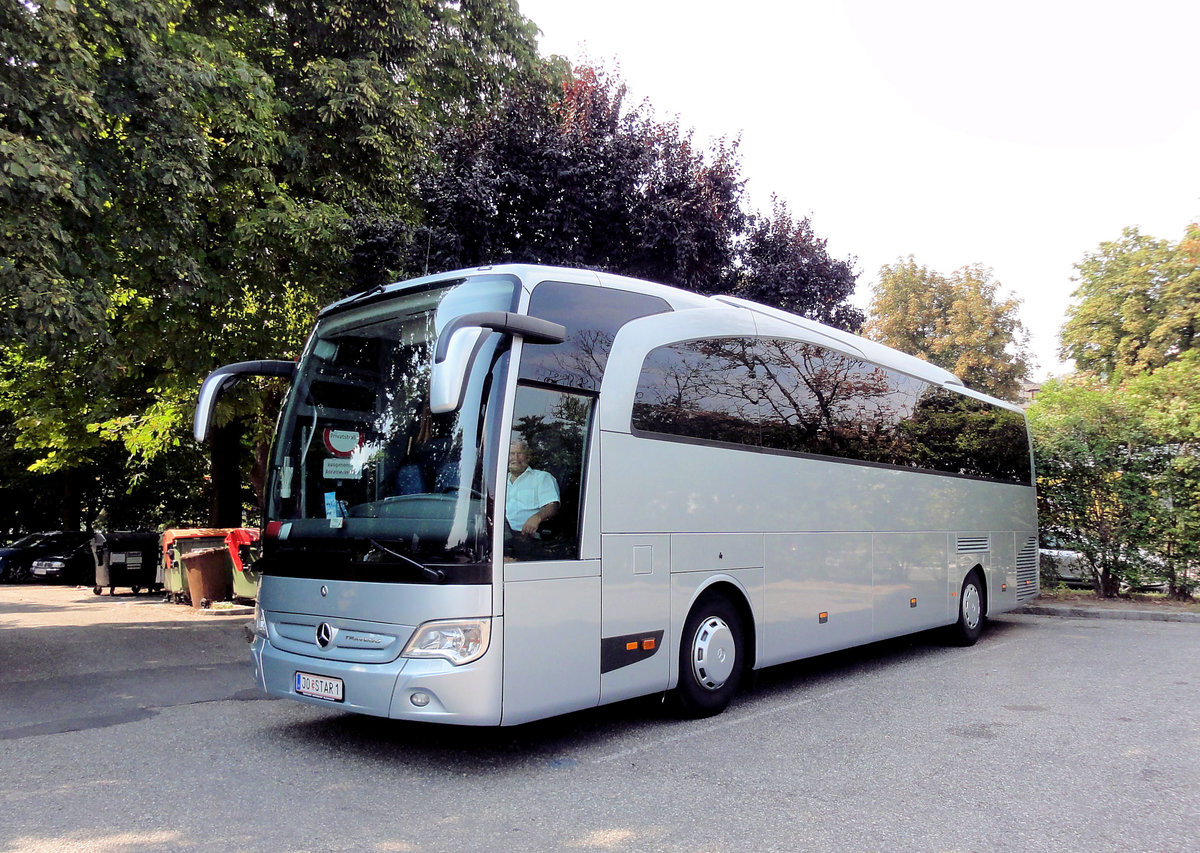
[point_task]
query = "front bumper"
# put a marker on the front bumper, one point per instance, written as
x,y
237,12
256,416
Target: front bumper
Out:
x,y
463,695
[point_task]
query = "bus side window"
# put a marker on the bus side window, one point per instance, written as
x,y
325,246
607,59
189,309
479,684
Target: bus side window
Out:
x,y
547,449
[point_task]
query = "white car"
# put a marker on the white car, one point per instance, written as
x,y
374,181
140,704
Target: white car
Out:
x,y
1063,566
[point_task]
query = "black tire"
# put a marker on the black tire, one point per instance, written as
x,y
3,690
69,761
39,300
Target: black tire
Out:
x,y
136,590
971,612
712,652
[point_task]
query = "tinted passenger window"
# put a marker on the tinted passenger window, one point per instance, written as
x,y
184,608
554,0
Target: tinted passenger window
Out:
x,y
961,435
794,397
592,316
701,389
821,401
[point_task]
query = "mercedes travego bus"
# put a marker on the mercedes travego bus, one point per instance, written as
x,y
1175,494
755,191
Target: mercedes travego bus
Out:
x,y
505,493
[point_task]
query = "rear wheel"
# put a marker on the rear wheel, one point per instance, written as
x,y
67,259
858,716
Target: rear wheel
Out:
x,y
970,612
711,658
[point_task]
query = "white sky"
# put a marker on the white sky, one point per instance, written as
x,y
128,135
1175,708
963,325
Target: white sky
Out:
x,y
1017,135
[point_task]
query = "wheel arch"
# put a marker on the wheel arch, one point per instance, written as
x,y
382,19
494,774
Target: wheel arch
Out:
x,y
733,592
984,582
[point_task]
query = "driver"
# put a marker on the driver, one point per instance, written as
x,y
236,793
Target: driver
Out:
x,y
532,497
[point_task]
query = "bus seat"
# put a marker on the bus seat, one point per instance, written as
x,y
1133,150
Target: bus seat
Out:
x,y
409,480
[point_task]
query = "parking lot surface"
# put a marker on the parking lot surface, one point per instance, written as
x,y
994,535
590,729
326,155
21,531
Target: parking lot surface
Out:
x,y
135,727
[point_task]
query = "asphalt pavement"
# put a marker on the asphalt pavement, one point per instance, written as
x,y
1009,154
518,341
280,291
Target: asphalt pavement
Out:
x,y
1049,734
73,660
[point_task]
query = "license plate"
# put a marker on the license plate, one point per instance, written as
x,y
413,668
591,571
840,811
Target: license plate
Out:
x,y
40,572
319,686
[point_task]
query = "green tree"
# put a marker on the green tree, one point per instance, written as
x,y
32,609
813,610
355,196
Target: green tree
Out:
x,y
957,322
1169,406
1137,305
1119,473
180,182
782,262
568,173
1093,490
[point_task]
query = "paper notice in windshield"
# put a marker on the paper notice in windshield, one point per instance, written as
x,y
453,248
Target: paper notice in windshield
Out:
x,y
340,469
333,507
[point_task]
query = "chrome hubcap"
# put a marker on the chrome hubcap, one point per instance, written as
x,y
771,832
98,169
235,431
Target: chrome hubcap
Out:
x,y
972,606
713,653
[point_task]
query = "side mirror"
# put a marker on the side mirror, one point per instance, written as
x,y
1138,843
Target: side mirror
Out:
x,y
226,377
459,342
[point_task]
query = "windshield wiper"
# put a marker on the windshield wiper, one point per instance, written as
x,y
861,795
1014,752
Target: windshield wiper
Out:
x,y
431,573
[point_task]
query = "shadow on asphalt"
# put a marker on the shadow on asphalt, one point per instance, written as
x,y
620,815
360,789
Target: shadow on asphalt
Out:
x,y
453,750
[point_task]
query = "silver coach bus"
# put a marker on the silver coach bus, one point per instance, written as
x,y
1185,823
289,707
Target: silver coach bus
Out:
x,y
500,494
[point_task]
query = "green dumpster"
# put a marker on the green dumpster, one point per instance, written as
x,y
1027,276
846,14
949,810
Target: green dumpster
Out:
x,y
242,543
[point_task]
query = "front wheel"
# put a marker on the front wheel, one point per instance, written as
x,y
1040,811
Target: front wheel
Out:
x,y
711,658
970,612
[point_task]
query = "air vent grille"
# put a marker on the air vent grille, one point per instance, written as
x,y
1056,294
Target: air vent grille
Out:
x,y
1027,570
972,544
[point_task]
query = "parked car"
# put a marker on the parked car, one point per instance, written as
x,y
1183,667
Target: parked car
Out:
x,y
16,560
1062,565
1150,575
72,562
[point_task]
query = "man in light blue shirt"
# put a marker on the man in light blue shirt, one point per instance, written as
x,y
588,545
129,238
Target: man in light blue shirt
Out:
x,y
532,497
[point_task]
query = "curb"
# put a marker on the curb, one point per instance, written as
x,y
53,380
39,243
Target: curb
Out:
x,y
1106,613
236,610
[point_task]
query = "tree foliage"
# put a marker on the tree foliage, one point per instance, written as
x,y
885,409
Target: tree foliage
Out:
x,y
1137,306
1091,487
572,175
180,180
782,262
1118,443
184,182
957,322
1119,473
1169,405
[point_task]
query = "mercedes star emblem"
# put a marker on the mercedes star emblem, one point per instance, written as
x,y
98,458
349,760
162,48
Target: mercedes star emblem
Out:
x,y
324,635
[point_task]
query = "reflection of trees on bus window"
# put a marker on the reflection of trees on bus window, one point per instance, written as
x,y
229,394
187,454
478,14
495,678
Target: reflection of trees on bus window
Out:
x,y
798,397
820,401
702,389
967,436
592,317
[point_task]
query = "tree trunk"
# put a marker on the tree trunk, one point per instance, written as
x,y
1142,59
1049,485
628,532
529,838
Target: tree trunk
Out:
x,y
226,471
70,501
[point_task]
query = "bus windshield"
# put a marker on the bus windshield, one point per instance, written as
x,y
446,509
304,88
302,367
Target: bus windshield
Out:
x,y
367,483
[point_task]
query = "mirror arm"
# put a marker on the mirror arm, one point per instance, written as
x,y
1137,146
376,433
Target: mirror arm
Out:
x,y
533,329
224,378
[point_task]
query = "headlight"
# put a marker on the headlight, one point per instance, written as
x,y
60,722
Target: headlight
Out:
x,y
456,640
260,621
